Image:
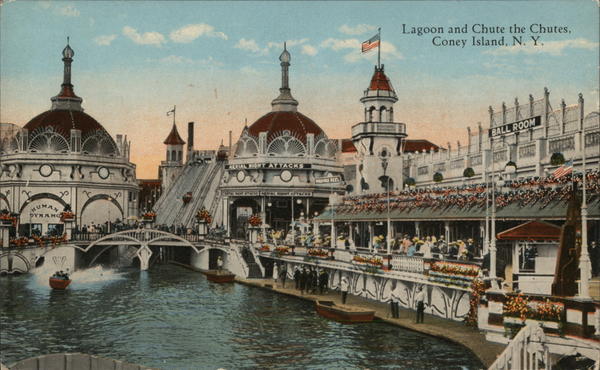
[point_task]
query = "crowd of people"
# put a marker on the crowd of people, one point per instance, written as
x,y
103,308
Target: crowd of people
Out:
x,y
527,192
309,280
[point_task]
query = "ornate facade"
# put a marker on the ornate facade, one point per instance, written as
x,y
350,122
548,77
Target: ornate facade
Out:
x,y
63,158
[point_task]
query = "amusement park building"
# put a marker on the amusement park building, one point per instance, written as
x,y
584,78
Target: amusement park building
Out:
x,y
64,158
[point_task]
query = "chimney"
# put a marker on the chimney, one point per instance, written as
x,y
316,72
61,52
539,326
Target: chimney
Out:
x,y
230,147
190,139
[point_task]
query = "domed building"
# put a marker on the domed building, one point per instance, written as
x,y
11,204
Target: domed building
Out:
x,y
276,165
64,158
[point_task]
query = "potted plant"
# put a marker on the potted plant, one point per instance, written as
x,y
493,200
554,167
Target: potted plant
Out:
x,y
557,159
468,172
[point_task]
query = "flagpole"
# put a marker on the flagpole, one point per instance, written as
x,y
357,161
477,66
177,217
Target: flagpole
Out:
x,y
174,113
379,50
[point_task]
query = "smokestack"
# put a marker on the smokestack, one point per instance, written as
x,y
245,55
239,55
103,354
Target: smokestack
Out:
x,y
230,147
190,139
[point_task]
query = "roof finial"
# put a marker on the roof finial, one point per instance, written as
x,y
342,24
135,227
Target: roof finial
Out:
x,y
284,45
285,101
67,40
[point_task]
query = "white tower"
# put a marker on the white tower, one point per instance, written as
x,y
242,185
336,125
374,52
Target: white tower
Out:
x,y
169,169
378,139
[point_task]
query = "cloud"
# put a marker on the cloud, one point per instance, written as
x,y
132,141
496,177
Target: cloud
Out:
x,y
104,40
289,43
68,11
191,32
177,59
549,47
309,50
146,38
356,30
250,45
339,44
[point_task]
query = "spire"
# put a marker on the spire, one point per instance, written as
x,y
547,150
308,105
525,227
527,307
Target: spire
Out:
x,y
285,101
174,138
66,98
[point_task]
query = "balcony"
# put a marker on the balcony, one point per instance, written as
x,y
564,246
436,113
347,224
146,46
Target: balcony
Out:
x,y
365,129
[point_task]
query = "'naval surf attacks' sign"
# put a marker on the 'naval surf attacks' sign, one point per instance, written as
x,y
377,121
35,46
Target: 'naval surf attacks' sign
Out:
x,y
521,125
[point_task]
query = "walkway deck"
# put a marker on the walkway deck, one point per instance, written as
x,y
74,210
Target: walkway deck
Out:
x,y
435,326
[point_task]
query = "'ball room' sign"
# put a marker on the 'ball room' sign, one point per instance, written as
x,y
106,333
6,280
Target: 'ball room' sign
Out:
x,y
521,125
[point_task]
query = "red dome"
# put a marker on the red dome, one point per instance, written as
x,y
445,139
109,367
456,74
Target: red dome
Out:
x,y
63,121
275,122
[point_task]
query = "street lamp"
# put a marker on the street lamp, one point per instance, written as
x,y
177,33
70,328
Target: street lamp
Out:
x,y
384,164
584,260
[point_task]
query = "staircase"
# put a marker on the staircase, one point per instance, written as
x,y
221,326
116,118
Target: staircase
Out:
x,y
254,270
527,350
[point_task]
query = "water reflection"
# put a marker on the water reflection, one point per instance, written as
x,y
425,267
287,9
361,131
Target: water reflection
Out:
x,y
173,318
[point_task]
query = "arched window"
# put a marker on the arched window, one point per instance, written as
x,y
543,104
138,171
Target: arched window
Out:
x,y
391,115
168,158
173,155
382,117
371,113
180,156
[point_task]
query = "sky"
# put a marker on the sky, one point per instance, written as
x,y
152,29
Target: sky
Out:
x,y
218,63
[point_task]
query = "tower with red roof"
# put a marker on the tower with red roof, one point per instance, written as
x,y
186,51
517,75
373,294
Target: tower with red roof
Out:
x,y
379,140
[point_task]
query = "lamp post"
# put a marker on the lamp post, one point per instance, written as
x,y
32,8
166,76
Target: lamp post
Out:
x,y
493,220
584,260
384,164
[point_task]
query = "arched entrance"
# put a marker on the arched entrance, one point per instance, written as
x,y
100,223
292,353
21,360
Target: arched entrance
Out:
x,y
40,215
99,210
239,212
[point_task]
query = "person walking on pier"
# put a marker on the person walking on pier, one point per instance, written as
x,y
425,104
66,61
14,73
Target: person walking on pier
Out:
x,y
297,277
303,280
275,272
344,287
283,275
219,263
420,301
323,279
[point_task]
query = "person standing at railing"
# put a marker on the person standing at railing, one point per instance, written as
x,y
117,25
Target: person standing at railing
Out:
x,y
297,277
283,275
275,272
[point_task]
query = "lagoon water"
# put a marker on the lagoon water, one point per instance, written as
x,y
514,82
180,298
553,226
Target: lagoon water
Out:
x,y
172,318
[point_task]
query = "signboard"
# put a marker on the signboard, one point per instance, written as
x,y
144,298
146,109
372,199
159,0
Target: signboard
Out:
x,y
272,166
521,125
328,180
251,193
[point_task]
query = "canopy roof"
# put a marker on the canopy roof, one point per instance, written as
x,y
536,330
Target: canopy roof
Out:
x,y
555,210
532,230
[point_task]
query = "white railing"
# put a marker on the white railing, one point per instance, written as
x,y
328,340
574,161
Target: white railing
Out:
x,y
407,264
256,256
242,262
525,351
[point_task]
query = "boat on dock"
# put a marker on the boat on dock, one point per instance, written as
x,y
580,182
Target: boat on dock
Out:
x,y
343,313
219,276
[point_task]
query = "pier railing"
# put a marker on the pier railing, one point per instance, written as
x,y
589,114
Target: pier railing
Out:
x,y
408,263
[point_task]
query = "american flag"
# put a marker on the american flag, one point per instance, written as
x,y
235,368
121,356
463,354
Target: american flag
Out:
x,y
371,43
563,170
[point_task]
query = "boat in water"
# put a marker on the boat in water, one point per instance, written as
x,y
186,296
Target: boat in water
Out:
x,y
219,276
59,281
342,313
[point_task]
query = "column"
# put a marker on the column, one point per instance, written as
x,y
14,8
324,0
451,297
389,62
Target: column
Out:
x,y
263,216
4,232
144,254
482,236
226,216
370,239
418,229
351,233
447,231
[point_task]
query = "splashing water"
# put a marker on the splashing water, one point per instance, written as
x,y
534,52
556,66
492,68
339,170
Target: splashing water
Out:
x,y
92,275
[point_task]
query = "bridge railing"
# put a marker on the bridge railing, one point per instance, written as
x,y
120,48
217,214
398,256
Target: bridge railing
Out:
x,y
408,263
525,351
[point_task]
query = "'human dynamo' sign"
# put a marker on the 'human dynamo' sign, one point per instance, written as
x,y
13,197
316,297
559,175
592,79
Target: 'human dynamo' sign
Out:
x,y
510,128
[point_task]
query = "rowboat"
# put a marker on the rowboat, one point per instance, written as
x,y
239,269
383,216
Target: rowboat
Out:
x,y
219,276
59,283
342,313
